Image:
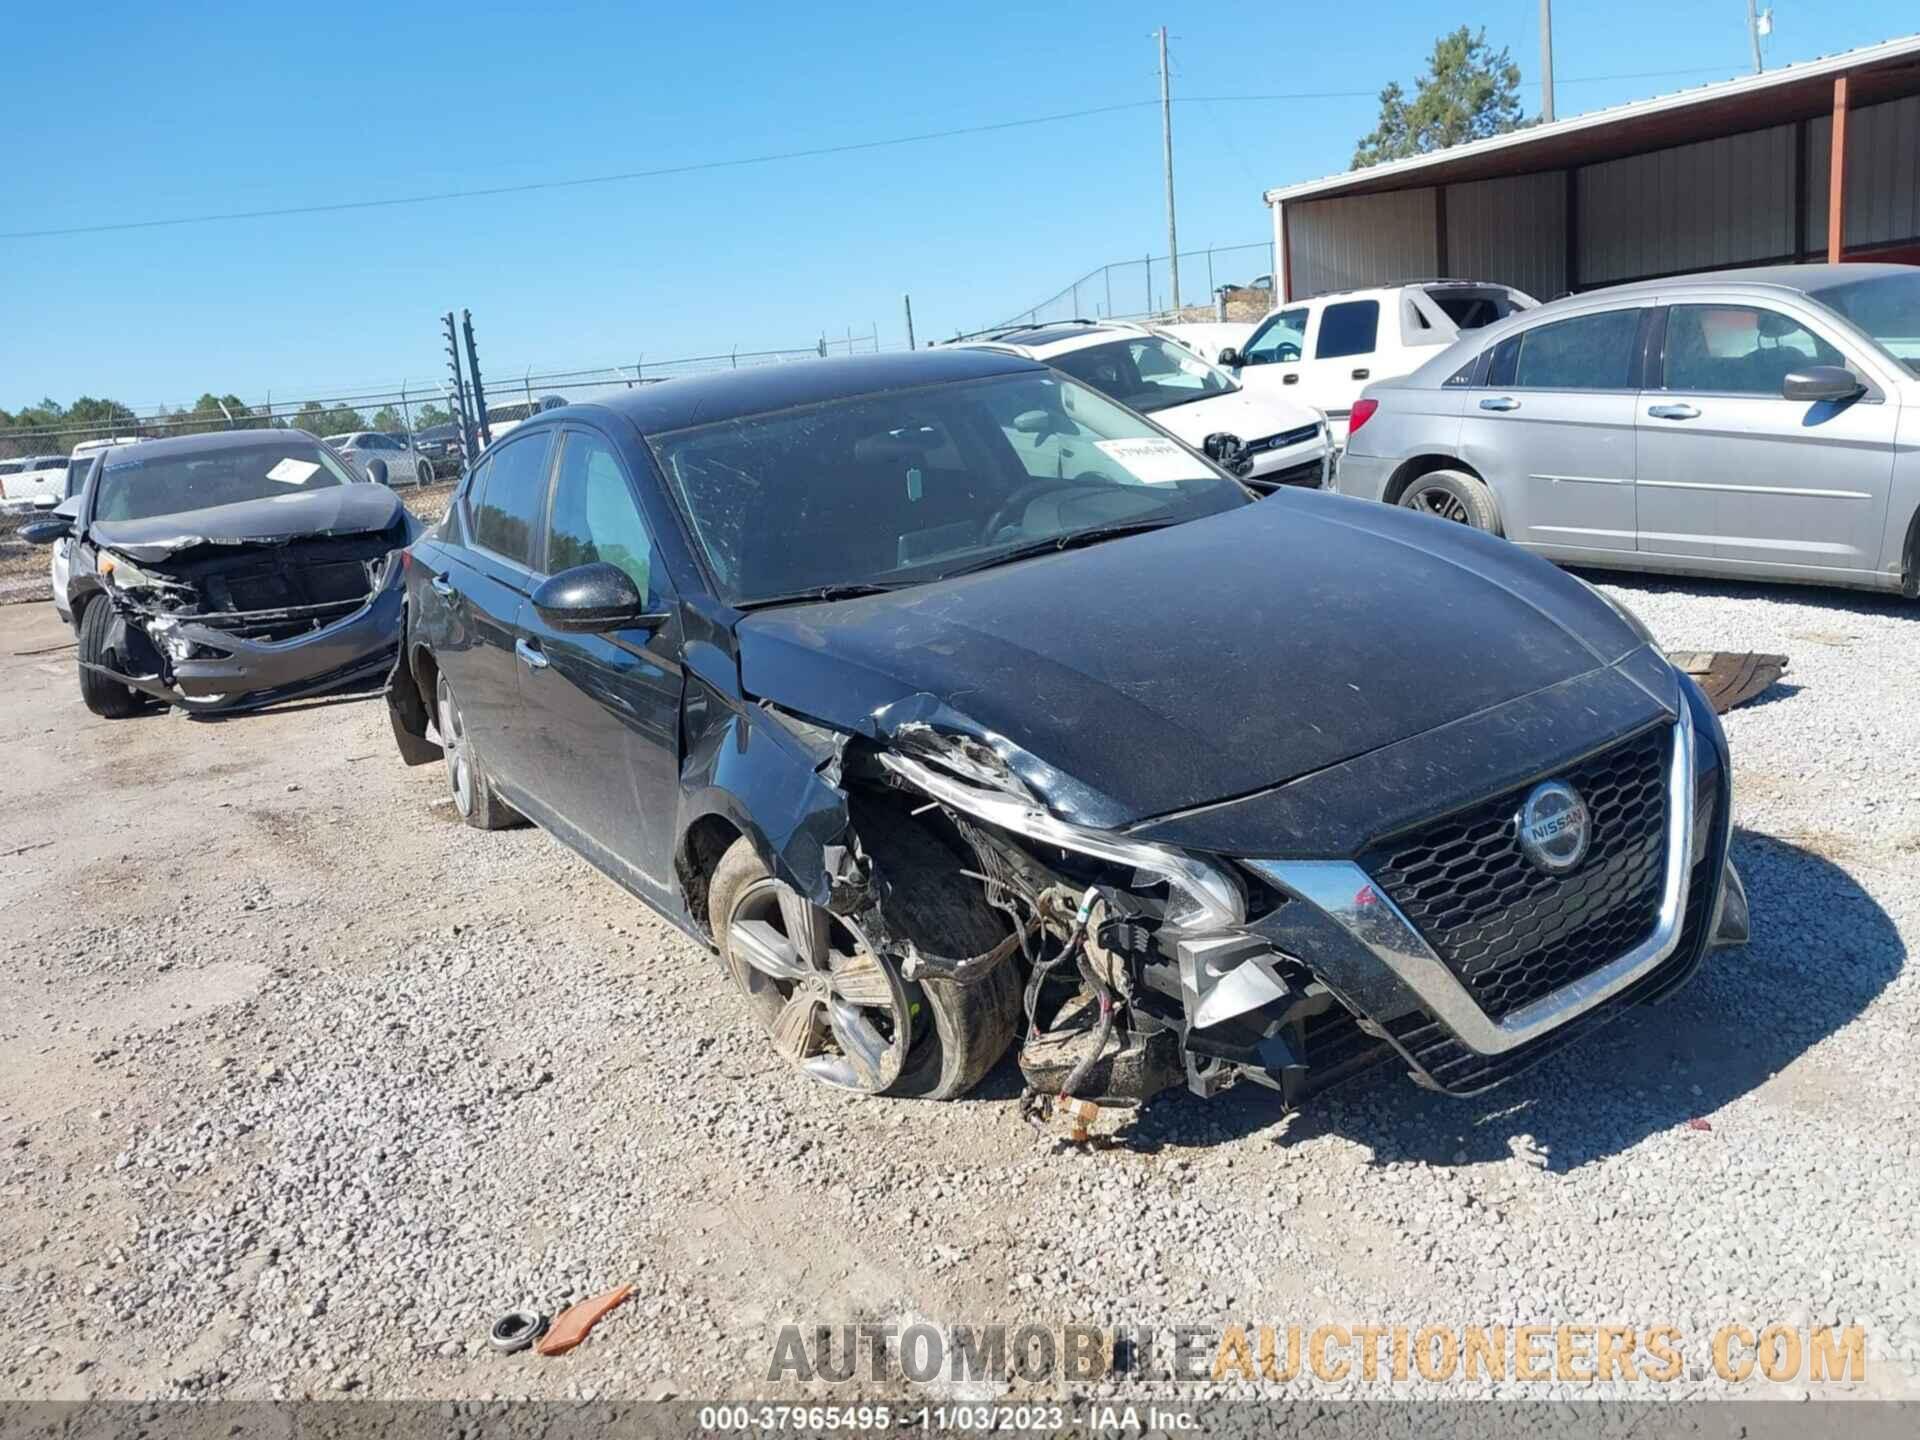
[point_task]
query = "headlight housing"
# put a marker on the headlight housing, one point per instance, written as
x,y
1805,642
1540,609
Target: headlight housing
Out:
x,y
1201,897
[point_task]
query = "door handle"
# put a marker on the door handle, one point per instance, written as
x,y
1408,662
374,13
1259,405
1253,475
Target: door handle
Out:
x,y
1361,374
442,586
533,659
1681,411
1500,402
1291,378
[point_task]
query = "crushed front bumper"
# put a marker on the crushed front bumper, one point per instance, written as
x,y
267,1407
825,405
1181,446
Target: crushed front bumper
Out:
x,y
207,669
1339,924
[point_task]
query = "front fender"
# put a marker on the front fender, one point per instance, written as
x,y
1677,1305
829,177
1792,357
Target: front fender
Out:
x,y
743,766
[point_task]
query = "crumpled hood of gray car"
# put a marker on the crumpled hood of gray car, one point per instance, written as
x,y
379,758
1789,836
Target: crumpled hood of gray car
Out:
x,y
332,510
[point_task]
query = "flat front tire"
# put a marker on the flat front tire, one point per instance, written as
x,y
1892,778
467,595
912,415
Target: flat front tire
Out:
x,y
1453,495
840,1012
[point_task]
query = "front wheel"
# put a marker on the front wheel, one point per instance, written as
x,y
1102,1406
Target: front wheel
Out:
x,y
107,698
423,473
1455,496
839,1011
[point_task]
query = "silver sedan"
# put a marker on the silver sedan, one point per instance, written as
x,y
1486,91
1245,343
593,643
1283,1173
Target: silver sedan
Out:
x,y
405,465
1756,423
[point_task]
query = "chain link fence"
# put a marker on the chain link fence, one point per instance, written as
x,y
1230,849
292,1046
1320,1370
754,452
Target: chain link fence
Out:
x,y
1223,276
406,408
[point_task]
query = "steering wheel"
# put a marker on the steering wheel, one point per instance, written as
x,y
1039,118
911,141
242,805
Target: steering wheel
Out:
x,y
1018,501
1286,350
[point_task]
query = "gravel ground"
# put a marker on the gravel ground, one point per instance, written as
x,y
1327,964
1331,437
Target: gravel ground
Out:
x,y
301,1084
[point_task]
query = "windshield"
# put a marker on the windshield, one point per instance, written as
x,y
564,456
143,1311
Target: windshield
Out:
x,y
910,485
1145,374
1887,308
137,489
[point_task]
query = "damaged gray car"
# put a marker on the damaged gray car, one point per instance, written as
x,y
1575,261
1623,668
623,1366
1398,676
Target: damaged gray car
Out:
x,y
953,704
224,572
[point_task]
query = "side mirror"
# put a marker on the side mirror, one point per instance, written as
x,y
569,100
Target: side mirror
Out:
x,y
591,598
1819,383
1231,359
377,470
45,532
45,500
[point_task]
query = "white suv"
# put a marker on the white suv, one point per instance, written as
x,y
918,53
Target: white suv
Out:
x,y
1269,439
34,476
1326,350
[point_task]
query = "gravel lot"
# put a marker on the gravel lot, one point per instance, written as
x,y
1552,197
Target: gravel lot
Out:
x,y
302,1083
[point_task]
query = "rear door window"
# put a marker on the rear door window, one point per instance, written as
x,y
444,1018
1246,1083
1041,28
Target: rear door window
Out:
x,y
506,517
1350,328
1588,352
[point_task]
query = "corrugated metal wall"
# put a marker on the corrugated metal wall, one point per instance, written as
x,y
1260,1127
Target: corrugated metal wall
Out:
x,y
1883,173
1513,231
1705,206
1344,243
1694,207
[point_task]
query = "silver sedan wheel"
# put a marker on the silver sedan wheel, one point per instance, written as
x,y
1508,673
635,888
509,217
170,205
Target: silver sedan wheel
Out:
x,y
834,1009
453,745
1440,503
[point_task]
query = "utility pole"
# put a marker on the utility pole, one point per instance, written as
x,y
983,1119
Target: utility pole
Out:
x,y
1546,59
907,300
1166,145
1755,24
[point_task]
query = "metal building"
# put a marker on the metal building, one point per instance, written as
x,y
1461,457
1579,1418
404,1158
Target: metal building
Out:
x,y
1809,162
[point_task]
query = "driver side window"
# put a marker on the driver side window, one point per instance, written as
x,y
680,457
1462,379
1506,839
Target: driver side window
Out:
x,y
1281,341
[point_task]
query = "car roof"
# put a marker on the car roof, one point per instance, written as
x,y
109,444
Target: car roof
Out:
x,y
1041,342
732,394
1800,278
148,450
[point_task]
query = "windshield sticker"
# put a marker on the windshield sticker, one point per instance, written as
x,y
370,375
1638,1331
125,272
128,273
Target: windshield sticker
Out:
x,y
293,472
1155,462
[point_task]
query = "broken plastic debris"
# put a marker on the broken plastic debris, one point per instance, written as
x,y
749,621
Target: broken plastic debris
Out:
x,y
571,1325
1696,1123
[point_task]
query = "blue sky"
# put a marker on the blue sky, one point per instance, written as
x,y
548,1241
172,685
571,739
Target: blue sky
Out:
x,y
118,112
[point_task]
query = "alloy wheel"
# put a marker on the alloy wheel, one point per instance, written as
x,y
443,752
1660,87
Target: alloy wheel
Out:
x,y
1441,503
833,1008
453,744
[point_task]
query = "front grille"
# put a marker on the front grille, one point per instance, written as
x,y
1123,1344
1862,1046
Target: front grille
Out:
x,y
1510,931
1282,440
1442,1061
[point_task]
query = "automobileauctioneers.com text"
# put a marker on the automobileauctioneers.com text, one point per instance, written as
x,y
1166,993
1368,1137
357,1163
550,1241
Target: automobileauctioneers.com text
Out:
x,y
1328,1353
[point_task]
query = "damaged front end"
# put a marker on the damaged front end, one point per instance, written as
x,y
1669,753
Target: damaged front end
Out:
x,y
1150,964
216,627
1139,970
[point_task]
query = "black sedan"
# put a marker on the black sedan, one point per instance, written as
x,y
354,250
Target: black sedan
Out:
x,y
226,572
950,701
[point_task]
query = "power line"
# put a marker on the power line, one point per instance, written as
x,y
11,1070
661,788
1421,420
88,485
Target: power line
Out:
x,y
770,158
622,177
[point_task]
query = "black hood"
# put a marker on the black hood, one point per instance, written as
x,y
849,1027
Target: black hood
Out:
x,y
298,515
1204,661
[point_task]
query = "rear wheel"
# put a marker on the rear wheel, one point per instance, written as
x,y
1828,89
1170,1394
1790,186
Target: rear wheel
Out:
x,y
423,473
1453,495
467,779
838,1010
106,698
